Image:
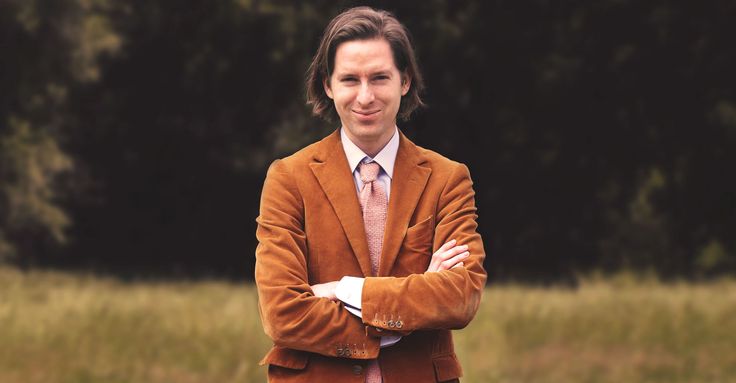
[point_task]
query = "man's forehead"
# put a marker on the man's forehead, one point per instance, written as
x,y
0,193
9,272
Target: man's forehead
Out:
x,y
364,56
352,67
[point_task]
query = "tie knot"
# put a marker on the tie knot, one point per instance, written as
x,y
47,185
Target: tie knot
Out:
x,y
368,171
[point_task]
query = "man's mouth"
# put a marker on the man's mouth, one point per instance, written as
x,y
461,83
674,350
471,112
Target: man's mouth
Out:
x,y
366,112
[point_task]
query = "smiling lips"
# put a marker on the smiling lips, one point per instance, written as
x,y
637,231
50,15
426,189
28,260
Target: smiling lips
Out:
x,y
367,114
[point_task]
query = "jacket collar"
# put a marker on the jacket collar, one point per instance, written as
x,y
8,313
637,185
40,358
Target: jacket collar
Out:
x,y
330,167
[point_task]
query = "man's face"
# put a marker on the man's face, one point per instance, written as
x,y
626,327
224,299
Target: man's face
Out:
x,y
366,87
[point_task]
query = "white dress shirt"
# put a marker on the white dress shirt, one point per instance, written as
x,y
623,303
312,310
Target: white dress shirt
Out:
x,y
350,289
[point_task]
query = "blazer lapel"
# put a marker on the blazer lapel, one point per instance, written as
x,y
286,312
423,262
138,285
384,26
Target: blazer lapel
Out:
x,y
331,168
408,183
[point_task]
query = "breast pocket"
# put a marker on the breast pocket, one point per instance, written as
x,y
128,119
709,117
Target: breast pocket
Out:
x,y
416,249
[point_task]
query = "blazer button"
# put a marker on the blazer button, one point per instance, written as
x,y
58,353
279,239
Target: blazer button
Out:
x,y
399,324
340,351
347,353
391,323
357,369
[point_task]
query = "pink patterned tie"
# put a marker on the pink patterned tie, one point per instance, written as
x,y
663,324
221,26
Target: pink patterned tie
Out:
x,y
374,203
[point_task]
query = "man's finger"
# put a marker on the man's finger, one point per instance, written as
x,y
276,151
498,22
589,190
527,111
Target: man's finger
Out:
x,y
453,252
450,263
458,265
440,257
446,246
439,260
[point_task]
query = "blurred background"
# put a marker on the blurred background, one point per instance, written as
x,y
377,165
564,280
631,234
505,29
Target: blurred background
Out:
x,y
135,136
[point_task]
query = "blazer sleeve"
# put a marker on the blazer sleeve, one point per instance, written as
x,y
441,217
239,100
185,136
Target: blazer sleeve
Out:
x,y
291,315
447,299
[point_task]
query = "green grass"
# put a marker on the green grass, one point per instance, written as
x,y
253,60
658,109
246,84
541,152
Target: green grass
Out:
x,y
57,327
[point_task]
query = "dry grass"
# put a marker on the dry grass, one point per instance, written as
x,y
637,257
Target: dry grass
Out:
x,y
57,327
613,330
63,328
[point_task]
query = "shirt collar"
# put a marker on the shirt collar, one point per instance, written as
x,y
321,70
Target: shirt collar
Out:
x,y
386,157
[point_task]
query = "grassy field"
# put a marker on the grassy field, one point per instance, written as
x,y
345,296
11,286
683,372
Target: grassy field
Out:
x,y
57,327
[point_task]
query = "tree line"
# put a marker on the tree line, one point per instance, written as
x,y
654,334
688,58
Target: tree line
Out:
x,y
135,136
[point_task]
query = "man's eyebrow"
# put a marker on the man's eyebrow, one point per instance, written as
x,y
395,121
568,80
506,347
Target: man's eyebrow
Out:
x,y
344,72
350,72
384,72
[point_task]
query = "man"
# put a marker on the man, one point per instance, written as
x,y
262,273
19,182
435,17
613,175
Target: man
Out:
x,y
368,252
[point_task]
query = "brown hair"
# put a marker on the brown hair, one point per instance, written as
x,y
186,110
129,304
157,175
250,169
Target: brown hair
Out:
x,y
363,23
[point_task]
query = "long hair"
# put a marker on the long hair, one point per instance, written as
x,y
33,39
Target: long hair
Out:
x,y
363,23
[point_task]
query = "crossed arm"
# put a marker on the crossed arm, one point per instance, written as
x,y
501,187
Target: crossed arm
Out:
x,y
296,315
446,257
449,256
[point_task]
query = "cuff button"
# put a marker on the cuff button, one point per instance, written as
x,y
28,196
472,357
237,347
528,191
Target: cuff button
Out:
x,y
357,369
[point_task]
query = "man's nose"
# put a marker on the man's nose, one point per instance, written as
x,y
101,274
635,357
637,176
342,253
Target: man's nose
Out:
x,y
365,94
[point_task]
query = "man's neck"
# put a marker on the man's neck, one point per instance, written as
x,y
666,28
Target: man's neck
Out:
x,y
371,149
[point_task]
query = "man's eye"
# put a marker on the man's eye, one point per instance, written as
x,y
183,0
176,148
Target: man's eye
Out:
x,y
381,77
349,79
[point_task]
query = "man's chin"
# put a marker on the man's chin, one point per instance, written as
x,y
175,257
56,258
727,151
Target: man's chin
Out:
x,y
371,132
368,131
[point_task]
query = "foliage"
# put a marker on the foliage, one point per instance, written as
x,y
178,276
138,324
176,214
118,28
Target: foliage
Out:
x,y
597,133
30,161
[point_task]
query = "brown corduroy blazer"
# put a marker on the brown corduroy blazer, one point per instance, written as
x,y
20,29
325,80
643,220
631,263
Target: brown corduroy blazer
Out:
x,y
310,230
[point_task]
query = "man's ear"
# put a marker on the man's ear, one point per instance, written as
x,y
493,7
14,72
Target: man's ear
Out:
x,y
326,85
405,84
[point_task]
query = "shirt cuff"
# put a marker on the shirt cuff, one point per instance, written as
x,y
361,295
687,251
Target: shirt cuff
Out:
x,y
350,291
389,340
354,311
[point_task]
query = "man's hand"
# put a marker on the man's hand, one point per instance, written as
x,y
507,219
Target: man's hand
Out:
x,y
325,290
448,257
